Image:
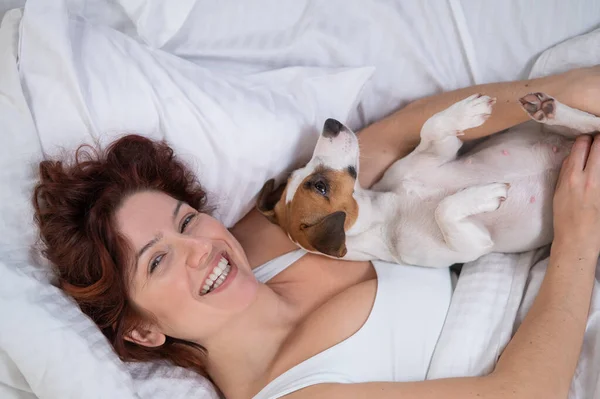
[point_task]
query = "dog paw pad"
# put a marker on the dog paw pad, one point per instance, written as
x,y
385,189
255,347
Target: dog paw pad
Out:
x,y
539,106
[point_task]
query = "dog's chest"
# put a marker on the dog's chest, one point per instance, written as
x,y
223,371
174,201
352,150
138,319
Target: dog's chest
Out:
x,y
413,233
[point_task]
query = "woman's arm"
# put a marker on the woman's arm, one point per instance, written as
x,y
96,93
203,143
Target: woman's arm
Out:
x,y
547,344
393,137
540,360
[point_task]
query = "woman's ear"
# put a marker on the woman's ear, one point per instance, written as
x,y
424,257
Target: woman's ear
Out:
x,y
146,337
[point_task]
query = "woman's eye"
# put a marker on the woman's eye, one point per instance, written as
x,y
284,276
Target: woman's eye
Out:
x,y
155,262
186,221
321,187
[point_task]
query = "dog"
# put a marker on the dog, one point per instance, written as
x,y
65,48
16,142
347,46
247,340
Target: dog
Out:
x,y
433,208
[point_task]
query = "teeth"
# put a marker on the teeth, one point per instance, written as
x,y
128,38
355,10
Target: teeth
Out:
x,y
217,276
221,266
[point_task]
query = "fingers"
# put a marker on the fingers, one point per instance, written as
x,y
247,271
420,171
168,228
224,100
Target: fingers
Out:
x,y
577,160
575,163
593,161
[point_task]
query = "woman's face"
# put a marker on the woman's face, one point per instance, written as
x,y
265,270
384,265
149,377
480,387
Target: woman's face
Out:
x,y
188,271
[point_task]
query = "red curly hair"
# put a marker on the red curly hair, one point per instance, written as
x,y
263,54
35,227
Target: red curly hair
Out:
x,y
75,204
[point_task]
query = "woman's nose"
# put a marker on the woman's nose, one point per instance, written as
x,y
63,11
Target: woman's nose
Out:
x,y
199,250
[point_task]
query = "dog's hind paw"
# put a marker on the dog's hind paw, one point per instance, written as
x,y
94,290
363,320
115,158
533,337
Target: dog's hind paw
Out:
x,y
486,198
539,106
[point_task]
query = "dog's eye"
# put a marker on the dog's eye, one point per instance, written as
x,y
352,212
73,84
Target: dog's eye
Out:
x,y
321,187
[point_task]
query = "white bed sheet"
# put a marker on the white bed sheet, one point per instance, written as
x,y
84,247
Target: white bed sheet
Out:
x,y
418,48
503,39
7,5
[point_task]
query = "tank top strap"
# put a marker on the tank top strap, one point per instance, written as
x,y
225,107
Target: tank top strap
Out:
x,y
267,271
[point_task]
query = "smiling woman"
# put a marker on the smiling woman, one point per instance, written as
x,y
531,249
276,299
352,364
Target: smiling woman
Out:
x,y
215,284
75,209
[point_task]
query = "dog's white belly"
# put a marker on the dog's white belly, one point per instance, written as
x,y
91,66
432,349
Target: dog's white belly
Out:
x,y
529,159
524,221
525,157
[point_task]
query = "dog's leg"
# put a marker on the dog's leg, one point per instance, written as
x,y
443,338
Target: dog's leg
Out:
x,y
439,134
439,142
466,235
547,110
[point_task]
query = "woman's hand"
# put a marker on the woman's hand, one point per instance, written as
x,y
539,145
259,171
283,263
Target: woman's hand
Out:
x,y
577,198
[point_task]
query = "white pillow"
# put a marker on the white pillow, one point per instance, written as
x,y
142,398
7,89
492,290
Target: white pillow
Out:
x,y
85,81
48,348
88,81
580,51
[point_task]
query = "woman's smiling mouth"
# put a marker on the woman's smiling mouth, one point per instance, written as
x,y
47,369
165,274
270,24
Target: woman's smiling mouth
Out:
x,y
217,276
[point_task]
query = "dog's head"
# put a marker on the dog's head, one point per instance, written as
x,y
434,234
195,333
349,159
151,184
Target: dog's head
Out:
x,y
316,206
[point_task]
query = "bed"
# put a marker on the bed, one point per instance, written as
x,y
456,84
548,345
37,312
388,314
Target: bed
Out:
x,y
241,89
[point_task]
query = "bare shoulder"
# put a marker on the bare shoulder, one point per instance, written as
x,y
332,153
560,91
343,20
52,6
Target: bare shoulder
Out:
x,y
261,239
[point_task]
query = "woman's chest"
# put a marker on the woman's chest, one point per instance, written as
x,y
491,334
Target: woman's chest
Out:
x,y
314,280
333,300
377,329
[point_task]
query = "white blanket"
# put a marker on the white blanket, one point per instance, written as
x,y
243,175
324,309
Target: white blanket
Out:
x,y
490,301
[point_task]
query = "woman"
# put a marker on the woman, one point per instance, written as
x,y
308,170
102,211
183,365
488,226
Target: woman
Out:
x,y
128,232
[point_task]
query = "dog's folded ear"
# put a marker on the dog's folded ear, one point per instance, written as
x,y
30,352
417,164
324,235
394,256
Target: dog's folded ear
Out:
x,y
268,198
328,235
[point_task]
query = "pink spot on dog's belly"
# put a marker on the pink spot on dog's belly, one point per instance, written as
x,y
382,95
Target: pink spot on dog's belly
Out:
x,y
532,199
504,152
468,161
554,149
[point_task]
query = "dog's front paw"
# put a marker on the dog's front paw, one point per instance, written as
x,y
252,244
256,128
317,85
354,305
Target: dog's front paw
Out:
x,y
471,112
539,106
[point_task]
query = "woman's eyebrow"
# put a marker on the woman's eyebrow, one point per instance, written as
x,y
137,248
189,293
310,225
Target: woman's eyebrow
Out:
x,y
176,210
148,246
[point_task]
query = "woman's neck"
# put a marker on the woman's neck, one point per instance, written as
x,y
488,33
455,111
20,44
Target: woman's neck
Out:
x,y
242,353
253,231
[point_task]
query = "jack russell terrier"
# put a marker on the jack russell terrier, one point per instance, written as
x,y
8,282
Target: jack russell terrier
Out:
x,y
433,208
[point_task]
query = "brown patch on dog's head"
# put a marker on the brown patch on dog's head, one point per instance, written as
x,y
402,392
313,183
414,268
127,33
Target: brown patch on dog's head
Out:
x,y
318,213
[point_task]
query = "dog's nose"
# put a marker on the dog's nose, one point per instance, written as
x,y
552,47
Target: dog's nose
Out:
x,y
332,128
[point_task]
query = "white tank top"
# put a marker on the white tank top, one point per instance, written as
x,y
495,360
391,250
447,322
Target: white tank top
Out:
x,y
395,343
